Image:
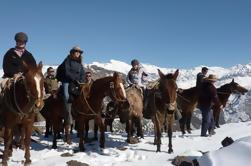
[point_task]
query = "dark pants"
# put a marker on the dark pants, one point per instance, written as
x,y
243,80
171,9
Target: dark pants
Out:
x,y
207,120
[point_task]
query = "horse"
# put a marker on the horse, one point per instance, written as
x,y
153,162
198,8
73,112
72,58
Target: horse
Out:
x,y
20,102
53,113
162,103
131,112
87,107
224,93
187,102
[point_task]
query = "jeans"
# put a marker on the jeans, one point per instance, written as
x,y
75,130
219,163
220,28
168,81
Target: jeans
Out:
x,y
207,120
67,115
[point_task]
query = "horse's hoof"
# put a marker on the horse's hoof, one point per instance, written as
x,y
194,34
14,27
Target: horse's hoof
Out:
x,y
158,150
4,163
81,149
69,142
132,140
54,147
27,162
189,131
170,151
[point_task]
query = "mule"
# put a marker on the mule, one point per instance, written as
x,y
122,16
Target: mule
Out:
x,y
131,113
163,105
19,104
187,102
224,93
87,107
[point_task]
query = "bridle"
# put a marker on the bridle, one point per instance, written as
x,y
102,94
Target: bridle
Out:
x,y
113,92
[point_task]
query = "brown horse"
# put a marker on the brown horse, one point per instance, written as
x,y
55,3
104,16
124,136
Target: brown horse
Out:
x,y
223,93
131,113
187,102
163,104
85,108
20,102
53,113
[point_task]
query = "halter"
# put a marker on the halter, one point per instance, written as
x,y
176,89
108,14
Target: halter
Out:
x,y
114,95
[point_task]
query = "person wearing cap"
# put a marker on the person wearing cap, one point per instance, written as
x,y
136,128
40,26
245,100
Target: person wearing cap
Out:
x,y
69,72
12,61
206,99
201,75
136,76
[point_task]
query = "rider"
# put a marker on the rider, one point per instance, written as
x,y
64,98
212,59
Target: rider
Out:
x,y
14,57
70,72
88,77
137,75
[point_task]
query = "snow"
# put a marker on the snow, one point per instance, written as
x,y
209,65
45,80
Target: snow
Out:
x,y
119,153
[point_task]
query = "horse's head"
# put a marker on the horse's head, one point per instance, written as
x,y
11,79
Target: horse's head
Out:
x,y
236,88
117,90
34,83
168,88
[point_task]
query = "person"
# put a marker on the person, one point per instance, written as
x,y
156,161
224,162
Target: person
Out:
x,y
201,75
51,82
137,75
69,72
88,77
206,99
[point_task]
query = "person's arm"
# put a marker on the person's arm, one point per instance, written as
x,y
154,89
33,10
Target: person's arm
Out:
x,y
10,64
128,78
214,96
82,74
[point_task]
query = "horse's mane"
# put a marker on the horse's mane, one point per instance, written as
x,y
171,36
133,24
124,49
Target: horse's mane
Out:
x,y
224,87
189,91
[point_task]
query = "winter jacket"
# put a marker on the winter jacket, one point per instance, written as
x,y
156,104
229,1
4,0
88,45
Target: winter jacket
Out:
x,y
207,96
136,77
12,63
50,84
70,70
199,80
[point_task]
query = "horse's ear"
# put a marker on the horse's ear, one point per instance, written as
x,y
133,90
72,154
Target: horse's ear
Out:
x,y
161,75
115,75
40,65
175,75
25,66
233,80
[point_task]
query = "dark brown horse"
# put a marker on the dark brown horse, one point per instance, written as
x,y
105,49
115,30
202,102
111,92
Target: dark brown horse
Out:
x,y
223,93
187,102
20,102
163,101
131,113
85,108
53,113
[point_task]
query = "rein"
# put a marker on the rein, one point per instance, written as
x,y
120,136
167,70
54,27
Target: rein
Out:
x,y
183,98
29,106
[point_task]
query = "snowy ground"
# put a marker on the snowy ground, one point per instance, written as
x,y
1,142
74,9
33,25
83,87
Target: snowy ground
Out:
x,y
119,153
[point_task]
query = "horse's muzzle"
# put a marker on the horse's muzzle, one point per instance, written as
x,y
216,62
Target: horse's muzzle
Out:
x,y
39,103
171,106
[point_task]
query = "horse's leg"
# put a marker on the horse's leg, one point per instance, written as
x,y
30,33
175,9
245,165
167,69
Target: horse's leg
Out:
x,y
139,127
129,130
22,137
7,144
56,130
106,124
182,122
96,130
188,122
81,126
170,119
86,129
158,123
27,141
67,134
47,130
216,113
102,131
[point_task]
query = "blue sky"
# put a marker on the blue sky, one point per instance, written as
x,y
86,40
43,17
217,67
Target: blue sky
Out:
x,y
167,33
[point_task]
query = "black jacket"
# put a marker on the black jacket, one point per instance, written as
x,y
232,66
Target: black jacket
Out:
x,y
12,63
70,70
199,79
207,95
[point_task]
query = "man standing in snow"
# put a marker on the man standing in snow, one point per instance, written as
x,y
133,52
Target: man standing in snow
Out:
x,y
207,98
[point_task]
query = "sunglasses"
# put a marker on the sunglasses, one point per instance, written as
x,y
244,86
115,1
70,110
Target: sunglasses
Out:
x,y
78,51
88,75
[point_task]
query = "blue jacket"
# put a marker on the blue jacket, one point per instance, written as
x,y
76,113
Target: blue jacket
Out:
x,y
70,70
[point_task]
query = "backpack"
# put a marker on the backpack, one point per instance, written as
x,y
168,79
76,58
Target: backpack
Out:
x,y
60,71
